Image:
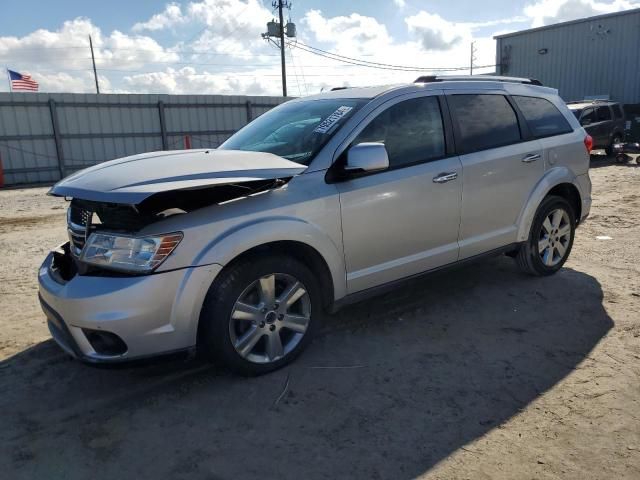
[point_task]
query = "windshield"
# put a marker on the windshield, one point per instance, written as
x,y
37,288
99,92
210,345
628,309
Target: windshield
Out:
x,y
296,130
577,113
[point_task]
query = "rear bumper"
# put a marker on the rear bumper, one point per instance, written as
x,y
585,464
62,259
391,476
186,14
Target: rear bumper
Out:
x,y
152,314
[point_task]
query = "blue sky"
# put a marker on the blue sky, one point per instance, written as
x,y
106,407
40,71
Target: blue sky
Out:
x,y
214,46
18,17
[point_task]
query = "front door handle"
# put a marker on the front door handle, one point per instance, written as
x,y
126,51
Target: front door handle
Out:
x,y
445,177
532,157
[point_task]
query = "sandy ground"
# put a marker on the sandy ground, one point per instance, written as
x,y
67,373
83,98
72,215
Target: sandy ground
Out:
x,y
478,372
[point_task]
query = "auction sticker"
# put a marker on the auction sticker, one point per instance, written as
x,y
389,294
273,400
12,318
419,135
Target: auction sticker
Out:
x,y
332,119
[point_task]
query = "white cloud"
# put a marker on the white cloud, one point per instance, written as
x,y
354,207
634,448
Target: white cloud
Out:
x,y
352,33
227,26
71,82
188,80
400,3
432,44
237,19
228,55
69,47
545,12
231,18
499,21
436,33
172,15
59,60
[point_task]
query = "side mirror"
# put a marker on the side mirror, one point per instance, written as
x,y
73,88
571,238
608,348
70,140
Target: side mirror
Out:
x,y
367,157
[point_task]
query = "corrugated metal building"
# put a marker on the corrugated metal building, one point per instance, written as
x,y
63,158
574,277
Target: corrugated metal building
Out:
x,y
591,57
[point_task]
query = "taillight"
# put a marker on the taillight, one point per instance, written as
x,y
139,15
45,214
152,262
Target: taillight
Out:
x,y
588,143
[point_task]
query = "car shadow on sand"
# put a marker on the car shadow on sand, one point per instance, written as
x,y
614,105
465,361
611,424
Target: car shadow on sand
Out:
x,y
599,161
389,388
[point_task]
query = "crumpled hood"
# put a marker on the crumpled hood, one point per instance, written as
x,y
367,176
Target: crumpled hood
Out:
x,y
131,180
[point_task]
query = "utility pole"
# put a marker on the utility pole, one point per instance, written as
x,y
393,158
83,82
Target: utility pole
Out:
x,y
93,59
472,58
284,68
279,30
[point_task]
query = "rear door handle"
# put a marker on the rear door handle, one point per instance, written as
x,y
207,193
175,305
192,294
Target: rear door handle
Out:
x,y
532,157
445,177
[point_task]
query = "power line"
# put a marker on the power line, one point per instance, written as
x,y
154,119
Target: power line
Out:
x,y
147,50
304,80
348,61
204,74
381,66
358,59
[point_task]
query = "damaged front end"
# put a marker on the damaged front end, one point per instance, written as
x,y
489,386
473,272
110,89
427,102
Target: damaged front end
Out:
x,y
112,203
98,230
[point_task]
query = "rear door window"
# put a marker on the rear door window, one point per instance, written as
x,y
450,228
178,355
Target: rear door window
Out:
x,y
588,117
484,121
542,116
604,113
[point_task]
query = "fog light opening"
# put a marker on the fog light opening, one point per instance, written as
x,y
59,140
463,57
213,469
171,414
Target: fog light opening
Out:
x,y
105,343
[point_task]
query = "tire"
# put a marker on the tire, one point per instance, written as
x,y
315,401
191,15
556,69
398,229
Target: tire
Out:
x,y
616,139
530,258
238,327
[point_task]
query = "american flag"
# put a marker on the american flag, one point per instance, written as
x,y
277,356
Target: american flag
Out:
x,y
22,82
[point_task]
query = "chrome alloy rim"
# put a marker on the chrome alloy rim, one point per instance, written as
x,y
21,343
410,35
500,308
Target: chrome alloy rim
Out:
x,y
555,235
270,318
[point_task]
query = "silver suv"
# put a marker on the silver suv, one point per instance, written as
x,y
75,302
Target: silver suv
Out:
x,y
322,201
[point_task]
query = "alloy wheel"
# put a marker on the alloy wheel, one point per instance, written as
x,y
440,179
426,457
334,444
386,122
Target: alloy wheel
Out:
x,y
555,236
270,318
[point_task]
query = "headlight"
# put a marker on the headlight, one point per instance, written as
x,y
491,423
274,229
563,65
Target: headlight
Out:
x,y
129,254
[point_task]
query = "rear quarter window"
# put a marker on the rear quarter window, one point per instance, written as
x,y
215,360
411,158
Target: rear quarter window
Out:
x,y
617,111
484,121
542,116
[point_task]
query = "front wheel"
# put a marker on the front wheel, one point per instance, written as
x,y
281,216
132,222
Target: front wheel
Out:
x,y
260,314
550,239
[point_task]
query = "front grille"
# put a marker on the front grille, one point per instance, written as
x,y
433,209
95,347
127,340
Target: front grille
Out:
x,y
78,225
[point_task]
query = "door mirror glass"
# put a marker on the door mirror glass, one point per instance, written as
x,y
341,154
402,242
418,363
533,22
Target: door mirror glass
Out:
x,y
367,157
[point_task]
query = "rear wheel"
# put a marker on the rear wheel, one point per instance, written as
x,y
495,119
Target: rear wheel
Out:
x,y
260,314
550,239
616,139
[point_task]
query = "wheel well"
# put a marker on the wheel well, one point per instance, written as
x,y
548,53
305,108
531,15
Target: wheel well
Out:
x,y
304,254
571,194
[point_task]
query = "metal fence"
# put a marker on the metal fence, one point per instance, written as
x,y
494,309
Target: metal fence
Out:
x,y
45,137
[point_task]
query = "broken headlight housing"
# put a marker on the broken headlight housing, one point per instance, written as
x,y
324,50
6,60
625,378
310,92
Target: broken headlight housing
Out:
x,y
129,254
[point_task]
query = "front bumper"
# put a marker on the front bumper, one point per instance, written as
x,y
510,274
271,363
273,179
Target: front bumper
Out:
x,y
152,314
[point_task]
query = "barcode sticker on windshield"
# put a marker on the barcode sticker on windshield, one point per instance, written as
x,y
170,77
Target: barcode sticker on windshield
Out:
x,y
332,119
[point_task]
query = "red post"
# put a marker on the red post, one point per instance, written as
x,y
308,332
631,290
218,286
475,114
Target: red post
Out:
x,y
187,142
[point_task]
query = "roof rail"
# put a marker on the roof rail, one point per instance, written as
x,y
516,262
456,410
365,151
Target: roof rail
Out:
x,y
476,78
590,100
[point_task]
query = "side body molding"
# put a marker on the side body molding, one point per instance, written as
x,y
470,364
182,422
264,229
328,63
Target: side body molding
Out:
x,y
245,236
552,177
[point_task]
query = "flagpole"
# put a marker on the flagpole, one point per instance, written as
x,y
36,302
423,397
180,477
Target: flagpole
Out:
x,y
9,78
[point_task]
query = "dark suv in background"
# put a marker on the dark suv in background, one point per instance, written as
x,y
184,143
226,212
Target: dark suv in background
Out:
x,y
603,120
